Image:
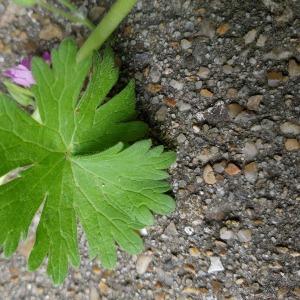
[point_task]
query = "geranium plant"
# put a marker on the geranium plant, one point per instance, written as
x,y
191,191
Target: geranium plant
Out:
x,y
80,155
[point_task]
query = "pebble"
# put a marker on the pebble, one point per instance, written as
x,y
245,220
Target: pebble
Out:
x,y
234,109
220,166
274,78
250,171
232,169
290,128
185,44
227,69
51,31
143,263
153,88
183,106
222,29
177,85
171,102
94,295
181,138
96,12
254,102
195,252
294,68
226,234
292,144
209,175
249,151
189,230
207,154
250,36
155,75
232,93
215,265
195,291
103,287
244,235
203,72
161,114
171,229
206,29
278,54
261,41
206,93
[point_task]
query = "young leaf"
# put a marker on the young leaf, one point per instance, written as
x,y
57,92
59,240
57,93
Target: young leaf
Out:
x,y
25,2
76,167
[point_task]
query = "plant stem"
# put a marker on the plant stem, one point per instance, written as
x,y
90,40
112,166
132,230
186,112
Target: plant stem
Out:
x,y
106,27
68,5
67,15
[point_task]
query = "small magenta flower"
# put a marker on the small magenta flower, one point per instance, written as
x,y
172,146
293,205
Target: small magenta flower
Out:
x,y
21,74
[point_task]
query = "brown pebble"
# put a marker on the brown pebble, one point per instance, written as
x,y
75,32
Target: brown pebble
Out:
x,y
254,102
232,169
232,93
51,31
171,102
292,144
209,175
103,287
206,93
294,68
223,28
274,78
153,88
234,109
195,252
195,291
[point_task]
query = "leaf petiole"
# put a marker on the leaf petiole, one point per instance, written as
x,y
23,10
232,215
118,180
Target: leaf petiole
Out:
x,y
106,27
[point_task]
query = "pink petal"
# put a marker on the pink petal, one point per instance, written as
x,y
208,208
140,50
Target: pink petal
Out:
x,y
20,75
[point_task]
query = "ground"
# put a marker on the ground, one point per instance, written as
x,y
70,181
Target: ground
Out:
x,y
218,81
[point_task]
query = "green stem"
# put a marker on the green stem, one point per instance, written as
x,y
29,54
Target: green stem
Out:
x,y
71,17
106,27
68,5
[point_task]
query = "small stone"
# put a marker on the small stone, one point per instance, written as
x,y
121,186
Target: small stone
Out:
x,y
206,29
195,252
203,72
294,68
244,235
278,54
94,295
143,263
198,85
232,93
185,44
296,291
206,93
171,230
207,154
253,102
209,175
220,166
51,31
274,78
143,232
196,129
250,36
161,114
250,171
226,234
104,288
155,74
290,128
261,41
195,291
232,169
171,102
227,69
215,265
96,12
181,138
153,88
96,270
189,230
183,106
250,151
234,109
292,144
223,28
177,85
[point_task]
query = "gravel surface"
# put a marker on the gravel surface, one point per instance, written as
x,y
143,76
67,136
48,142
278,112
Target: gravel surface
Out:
x,y
220,82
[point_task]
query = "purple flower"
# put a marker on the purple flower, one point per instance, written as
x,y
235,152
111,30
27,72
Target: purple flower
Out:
x,y
21,74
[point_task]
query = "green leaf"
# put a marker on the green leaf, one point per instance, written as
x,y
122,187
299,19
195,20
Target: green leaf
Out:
x,y
26,3
76,167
